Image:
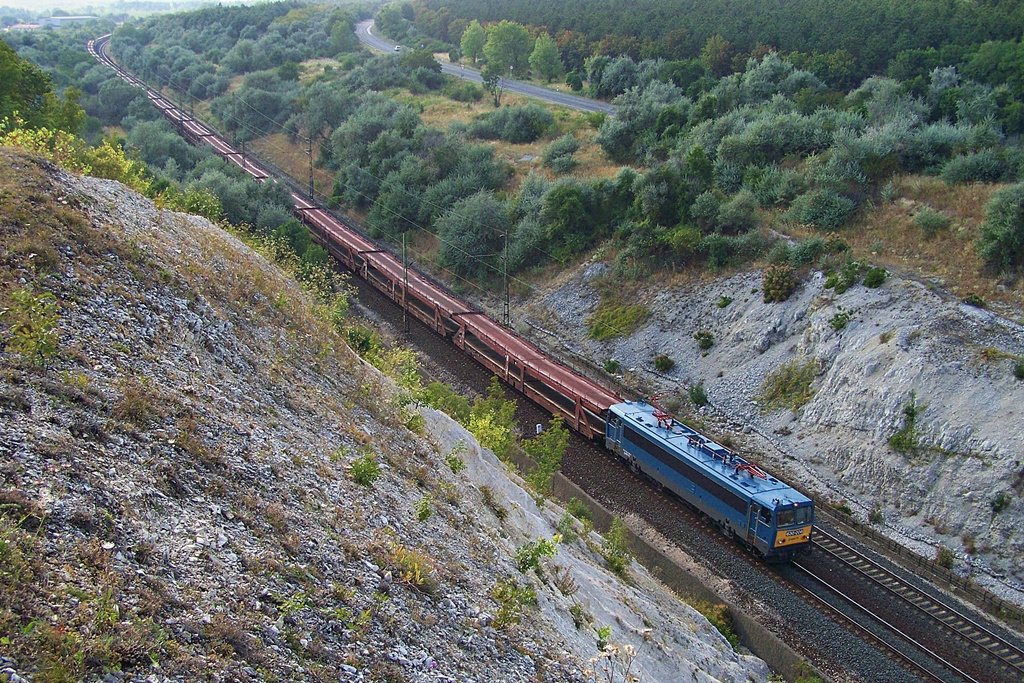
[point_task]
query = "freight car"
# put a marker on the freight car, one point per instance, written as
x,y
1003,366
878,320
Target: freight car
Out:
x,y
764,513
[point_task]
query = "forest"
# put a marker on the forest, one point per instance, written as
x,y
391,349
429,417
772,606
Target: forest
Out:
x,y
721,143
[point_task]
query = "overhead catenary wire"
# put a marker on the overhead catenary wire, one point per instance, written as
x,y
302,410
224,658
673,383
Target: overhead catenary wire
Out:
x,y
384,229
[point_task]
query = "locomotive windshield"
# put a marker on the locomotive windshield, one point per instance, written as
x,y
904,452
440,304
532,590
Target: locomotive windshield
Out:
x,y
788,516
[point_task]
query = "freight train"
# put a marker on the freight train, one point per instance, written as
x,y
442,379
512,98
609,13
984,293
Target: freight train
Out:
x,y
762,512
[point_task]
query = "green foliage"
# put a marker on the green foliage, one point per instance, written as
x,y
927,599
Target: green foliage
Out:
x,y
559,154
846,278
472,236
1000,502
875,516
698,395
720,617
508,48
611,366
705,340
513,124
778,283
875,277
724,301
32,320
365,470
603,634
790,385
512,601
546,449
823,209
931,222
423,508
839,321
615,317
544,60
473,40
578,509
1018,369
906,440
491,502
662,363
529,554
615,549
973,299
1001,239
492,420
454,458
944,557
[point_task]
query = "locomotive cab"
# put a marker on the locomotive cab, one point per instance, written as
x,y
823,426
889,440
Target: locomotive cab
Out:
x,y
779,528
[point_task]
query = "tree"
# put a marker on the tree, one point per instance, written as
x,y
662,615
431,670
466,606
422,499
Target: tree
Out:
x,y
1001,242
473,39
508,46
472,234
494,83
717,56
544,60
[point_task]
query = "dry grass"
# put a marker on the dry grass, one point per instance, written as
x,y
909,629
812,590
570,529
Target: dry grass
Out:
x,y
293,158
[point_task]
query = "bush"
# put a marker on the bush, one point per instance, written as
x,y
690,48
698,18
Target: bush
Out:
x,y
698,396
807,251
663,363
944,557
778,284
839,320
559,154
616,547
513,124
724,301
905,441
529,554
1018,369
33,322
1000,502
973,299
612,366
1001,242
875,277
365,470
983,166
825,209
931,222
705,340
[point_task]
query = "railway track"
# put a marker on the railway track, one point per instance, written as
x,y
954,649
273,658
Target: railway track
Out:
x,y
946,645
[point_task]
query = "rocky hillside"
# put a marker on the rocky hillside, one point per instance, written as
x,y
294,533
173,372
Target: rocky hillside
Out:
x,y
188,455
866,358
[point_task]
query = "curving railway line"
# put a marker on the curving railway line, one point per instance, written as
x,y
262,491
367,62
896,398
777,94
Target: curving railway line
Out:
x,y
941,643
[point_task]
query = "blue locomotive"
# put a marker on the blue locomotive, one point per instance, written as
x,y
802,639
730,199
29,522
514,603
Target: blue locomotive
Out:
x,y
763,512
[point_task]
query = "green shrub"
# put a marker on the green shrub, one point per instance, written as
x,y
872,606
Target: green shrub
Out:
x,y
779,283
983,166
944,557
824,209
615,549
720,617
807,251
612,366
839,320
848,277
442,397
875,277
1000,502
365,470
33,324
905,440
546,449
931,222
705,340
663,363
512,600
423,508
1018,369
973,299
724,301
790,385
454,459
578,509
1001,240
559,154
513,124
843,507
698,396
875,516
529,554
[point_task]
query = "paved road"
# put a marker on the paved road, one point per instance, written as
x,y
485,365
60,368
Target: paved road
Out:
x,y
364,30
